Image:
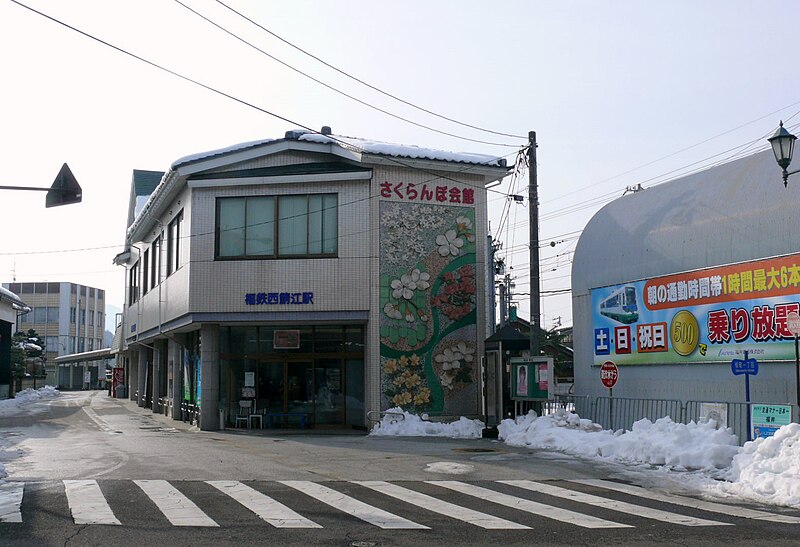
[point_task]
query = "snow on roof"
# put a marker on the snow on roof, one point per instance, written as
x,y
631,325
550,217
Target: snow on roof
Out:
x,y
8,295
347,143
401,150
357,145
211,153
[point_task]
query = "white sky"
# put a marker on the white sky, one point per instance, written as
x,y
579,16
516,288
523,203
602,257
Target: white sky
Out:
x,y
607,86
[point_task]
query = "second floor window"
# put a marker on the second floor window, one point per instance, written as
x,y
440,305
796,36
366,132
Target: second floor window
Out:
x,y
277,226
174,229
145,272
133,287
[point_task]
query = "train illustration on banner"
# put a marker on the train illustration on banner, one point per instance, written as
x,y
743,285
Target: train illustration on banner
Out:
x,y
621,306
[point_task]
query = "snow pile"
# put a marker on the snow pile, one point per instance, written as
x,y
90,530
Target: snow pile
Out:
x,y
768,470
11,407
400,423
663,442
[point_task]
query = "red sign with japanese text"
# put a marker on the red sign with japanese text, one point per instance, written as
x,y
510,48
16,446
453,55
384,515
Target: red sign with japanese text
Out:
x,y
609,374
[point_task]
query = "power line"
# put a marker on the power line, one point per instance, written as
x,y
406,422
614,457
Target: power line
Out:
x,y
320,82
246,103
342,72
681,150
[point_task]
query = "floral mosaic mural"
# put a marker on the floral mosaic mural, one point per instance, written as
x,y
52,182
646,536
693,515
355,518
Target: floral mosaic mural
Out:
x,y
428,301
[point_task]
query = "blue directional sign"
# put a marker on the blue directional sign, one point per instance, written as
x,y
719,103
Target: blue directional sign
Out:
x,y
744,366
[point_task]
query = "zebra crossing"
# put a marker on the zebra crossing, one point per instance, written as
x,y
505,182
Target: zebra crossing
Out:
x,y
89,504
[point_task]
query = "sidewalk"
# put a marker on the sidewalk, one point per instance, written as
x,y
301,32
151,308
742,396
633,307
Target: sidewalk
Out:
x,y
167,421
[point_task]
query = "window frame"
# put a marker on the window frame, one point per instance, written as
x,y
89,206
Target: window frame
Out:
x,y
174,243
145,271
276,249
133,289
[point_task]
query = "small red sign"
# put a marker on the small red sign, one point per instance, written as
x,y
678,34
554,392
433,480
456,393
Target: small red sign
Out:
x,y
119,375
609,374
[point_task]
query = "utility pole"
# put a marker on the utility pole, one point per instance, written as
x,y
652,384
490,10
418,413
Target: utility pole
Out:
x,y
503,304
533,197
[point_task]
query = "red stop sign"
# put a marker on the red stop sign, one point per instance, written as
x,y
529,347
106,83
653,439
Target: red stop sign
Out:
x,y
608,374
793,323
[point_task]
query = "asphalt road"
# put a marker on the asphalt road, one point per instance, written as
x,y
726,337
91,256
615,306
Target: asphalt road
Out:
x,y
88,470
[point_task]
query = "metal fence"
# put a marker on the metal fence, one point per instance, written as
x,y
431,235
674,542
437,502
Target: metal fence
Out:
x,y
622,412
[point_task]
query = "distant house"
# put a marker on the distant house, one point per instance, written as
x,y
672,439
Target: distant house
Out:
x,y
312,279
10,307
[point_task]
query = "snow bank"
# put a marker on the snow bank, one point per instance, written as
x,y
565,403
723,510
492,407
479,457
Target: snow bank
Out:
x,y
768,470
411,425
663,442
10,407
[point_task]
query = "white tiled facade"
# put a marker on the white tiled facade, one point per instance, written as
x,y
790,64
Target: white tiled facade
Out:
x,y
187,317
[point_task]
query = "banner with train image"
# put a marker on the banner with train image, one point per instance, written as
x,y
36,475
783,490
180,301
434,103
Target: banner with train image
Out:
x,y
708,315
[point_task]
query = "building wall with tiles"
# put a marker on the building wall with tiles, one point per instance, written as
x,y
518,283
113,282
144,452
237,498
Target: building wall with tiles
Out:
x,y
427,319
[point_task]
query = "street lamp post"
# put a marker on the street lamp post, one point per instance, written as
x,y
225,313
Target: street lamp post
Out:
x,y
783,146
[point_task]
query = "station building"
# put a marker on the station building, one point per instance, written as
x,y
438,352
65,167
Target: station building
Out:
x,y
311,279
675,282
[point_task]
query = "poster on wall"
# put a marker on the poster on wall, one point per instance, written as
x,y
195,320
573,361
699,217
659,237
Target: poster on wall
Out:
x,y
429,303
703,316
530,378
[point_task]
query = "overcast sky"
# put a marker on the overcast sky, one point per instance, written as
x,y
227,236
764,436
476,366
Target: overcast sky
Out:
x,y
619,93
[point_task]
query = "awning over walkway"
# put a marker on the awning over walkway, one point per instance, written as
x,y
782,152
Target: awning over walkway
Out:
x,y
95,355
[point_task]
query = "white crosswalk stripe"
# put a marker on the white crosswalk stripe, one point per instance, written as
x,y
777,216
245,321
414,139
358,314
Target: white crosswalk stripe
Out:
x,y
541,509
614,505
10,501
442,507
87,503
178,509
743,512
352,506
262,505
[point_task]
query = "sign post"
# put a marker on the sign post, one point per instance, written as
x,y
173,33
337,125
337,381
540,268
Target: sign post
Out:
x,y
608,375
793,324
747,367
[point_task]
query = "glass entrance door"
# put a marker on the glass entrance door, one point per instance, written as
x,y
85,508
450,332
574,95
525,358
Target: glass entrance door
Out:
x,y
315,389
300,388
271,387
328,379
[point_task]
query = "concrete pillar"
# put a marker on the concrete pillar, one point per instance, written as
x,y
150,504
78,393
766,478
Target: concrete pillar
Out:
x,y
209,377
174,359
132,373
159,372
141,380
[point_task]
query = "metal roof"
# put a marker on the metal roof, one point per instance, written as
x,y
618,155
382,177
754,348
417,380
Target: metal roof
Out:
x,y
96,355
734,212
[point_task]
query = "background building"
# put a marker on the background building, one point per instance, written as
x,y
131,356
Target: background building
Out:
x,y
69,318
